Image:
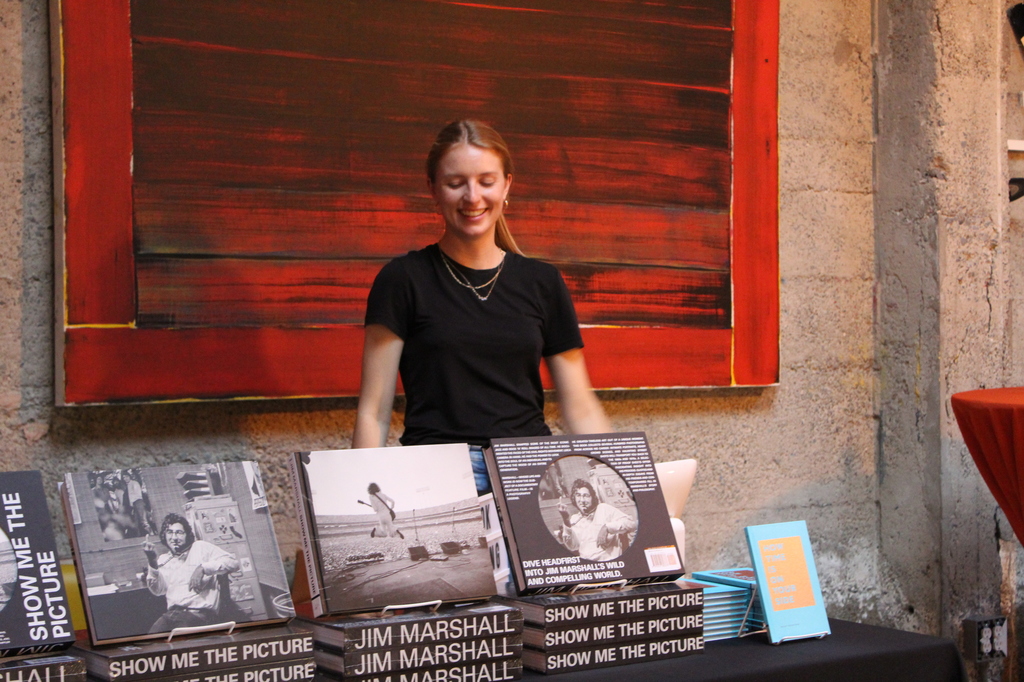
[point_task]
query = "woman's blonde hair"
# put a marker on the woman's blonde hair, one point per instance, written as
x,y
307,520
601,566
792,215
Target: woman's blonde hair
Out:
x,y
485,137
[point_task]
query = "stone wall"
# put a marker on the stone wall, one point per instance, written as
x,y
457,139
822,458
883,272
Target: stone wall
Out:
x,y
900,283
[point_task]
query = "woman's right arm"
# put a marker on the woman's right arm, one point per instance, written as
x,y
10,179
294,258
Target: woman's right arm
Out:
x,y
382,349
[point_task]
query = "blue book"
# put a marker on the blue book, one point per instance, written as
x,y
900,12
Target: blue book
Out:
x,y
739,577
787,581
713,590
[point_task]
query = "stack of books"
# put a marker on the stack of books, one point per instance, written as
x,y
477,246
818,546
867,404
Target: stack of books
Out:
x,y
474,642
731,605
607,627
272,653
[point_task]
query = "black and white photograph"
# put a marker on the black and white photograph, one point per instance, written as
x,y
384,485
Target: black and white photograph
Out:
x,y
189,545
587,507
397,526
122,504
581,509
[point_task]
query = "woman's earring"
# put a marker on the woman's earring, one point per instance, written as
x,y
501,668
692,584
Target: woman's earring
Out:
x,y
506,203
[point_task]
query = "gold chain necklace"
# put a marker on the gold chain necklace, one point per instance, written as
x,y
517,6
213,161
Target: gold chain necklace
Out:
x,y
462,280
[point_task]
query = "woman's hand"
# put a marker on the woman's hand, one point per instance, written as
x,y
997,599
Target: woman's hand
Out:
x,y
580,407
382,349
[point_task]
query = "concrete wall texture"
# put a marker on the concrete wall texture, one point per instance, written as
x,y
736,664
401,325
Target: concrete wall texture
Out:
x,y
902,281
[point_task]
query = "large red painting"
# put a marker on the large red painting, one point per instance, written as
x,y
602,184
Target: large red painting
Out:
x,y
233,173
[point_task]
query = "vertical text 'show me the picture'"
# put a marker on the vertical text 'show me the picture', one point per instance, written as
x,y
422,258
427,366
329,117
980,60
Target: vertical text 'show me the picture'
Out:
x,y
396,526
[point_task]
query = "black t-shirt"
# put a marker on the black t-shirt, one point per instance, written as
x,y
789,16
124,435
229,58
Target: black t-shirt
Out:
x,y
471,368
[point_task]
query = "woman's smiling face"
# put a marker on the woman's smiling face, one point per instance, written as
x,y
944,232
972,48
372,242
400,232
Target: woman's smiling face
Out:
x,y
470,188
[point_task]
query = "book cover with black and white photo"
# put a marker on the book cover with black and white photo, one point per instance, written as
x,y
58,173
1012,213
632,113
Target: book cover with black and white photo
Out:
x,y
391,526
371,631
59,668
593,606
582,509
156,659
186,545
35,616
413,656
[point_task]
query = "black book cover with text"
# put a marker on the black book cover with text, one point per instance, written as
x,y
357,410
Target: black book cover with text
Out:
x,y
582,509
34,613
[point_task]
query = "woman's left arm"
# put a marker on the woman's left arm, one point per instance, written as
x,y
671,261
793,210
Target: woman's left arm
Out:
x,y
580,407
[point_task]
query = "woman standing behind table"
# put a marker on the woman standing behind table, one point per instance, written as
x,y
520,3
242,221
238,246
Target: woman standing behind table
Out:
x,y
467,320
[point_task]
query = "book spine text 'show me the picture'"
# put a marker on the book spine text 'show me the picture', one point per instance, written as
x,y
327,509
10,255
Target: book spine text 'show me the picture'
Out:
x,y
612,654
147,660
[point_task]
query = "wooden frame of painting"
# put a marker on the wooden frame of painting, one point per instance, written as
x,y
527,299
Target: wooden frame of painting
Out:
x,y
143,209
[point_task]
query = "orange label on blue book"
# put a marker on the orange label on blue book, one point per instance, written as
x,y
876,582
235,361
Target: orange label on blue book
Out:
x,y
789,582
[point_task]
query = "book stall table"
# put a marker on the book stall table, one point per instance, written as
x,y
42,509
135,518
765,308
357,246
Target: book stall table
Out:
x,y
853,652
992,423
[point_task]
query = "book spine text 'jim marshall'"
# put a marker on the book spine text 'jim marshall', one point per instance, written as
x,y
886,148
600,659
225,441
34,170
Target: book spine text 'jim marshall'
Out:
x,y
502,670
369,662
151,660
612,654
354,634
383,525
44,669
579,636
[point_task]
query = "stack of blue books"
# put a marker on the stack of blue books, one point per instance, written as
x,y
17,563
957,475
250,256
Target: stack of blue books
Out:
x,y
731,606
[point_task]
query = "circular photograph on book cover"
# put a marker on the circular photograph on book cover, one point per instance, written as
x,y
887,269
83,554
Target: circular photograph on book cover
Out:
x,y
587,507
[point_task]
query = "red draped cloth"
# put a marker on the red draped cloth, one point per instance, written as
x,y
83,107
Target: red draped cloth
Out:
x,y
992,423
